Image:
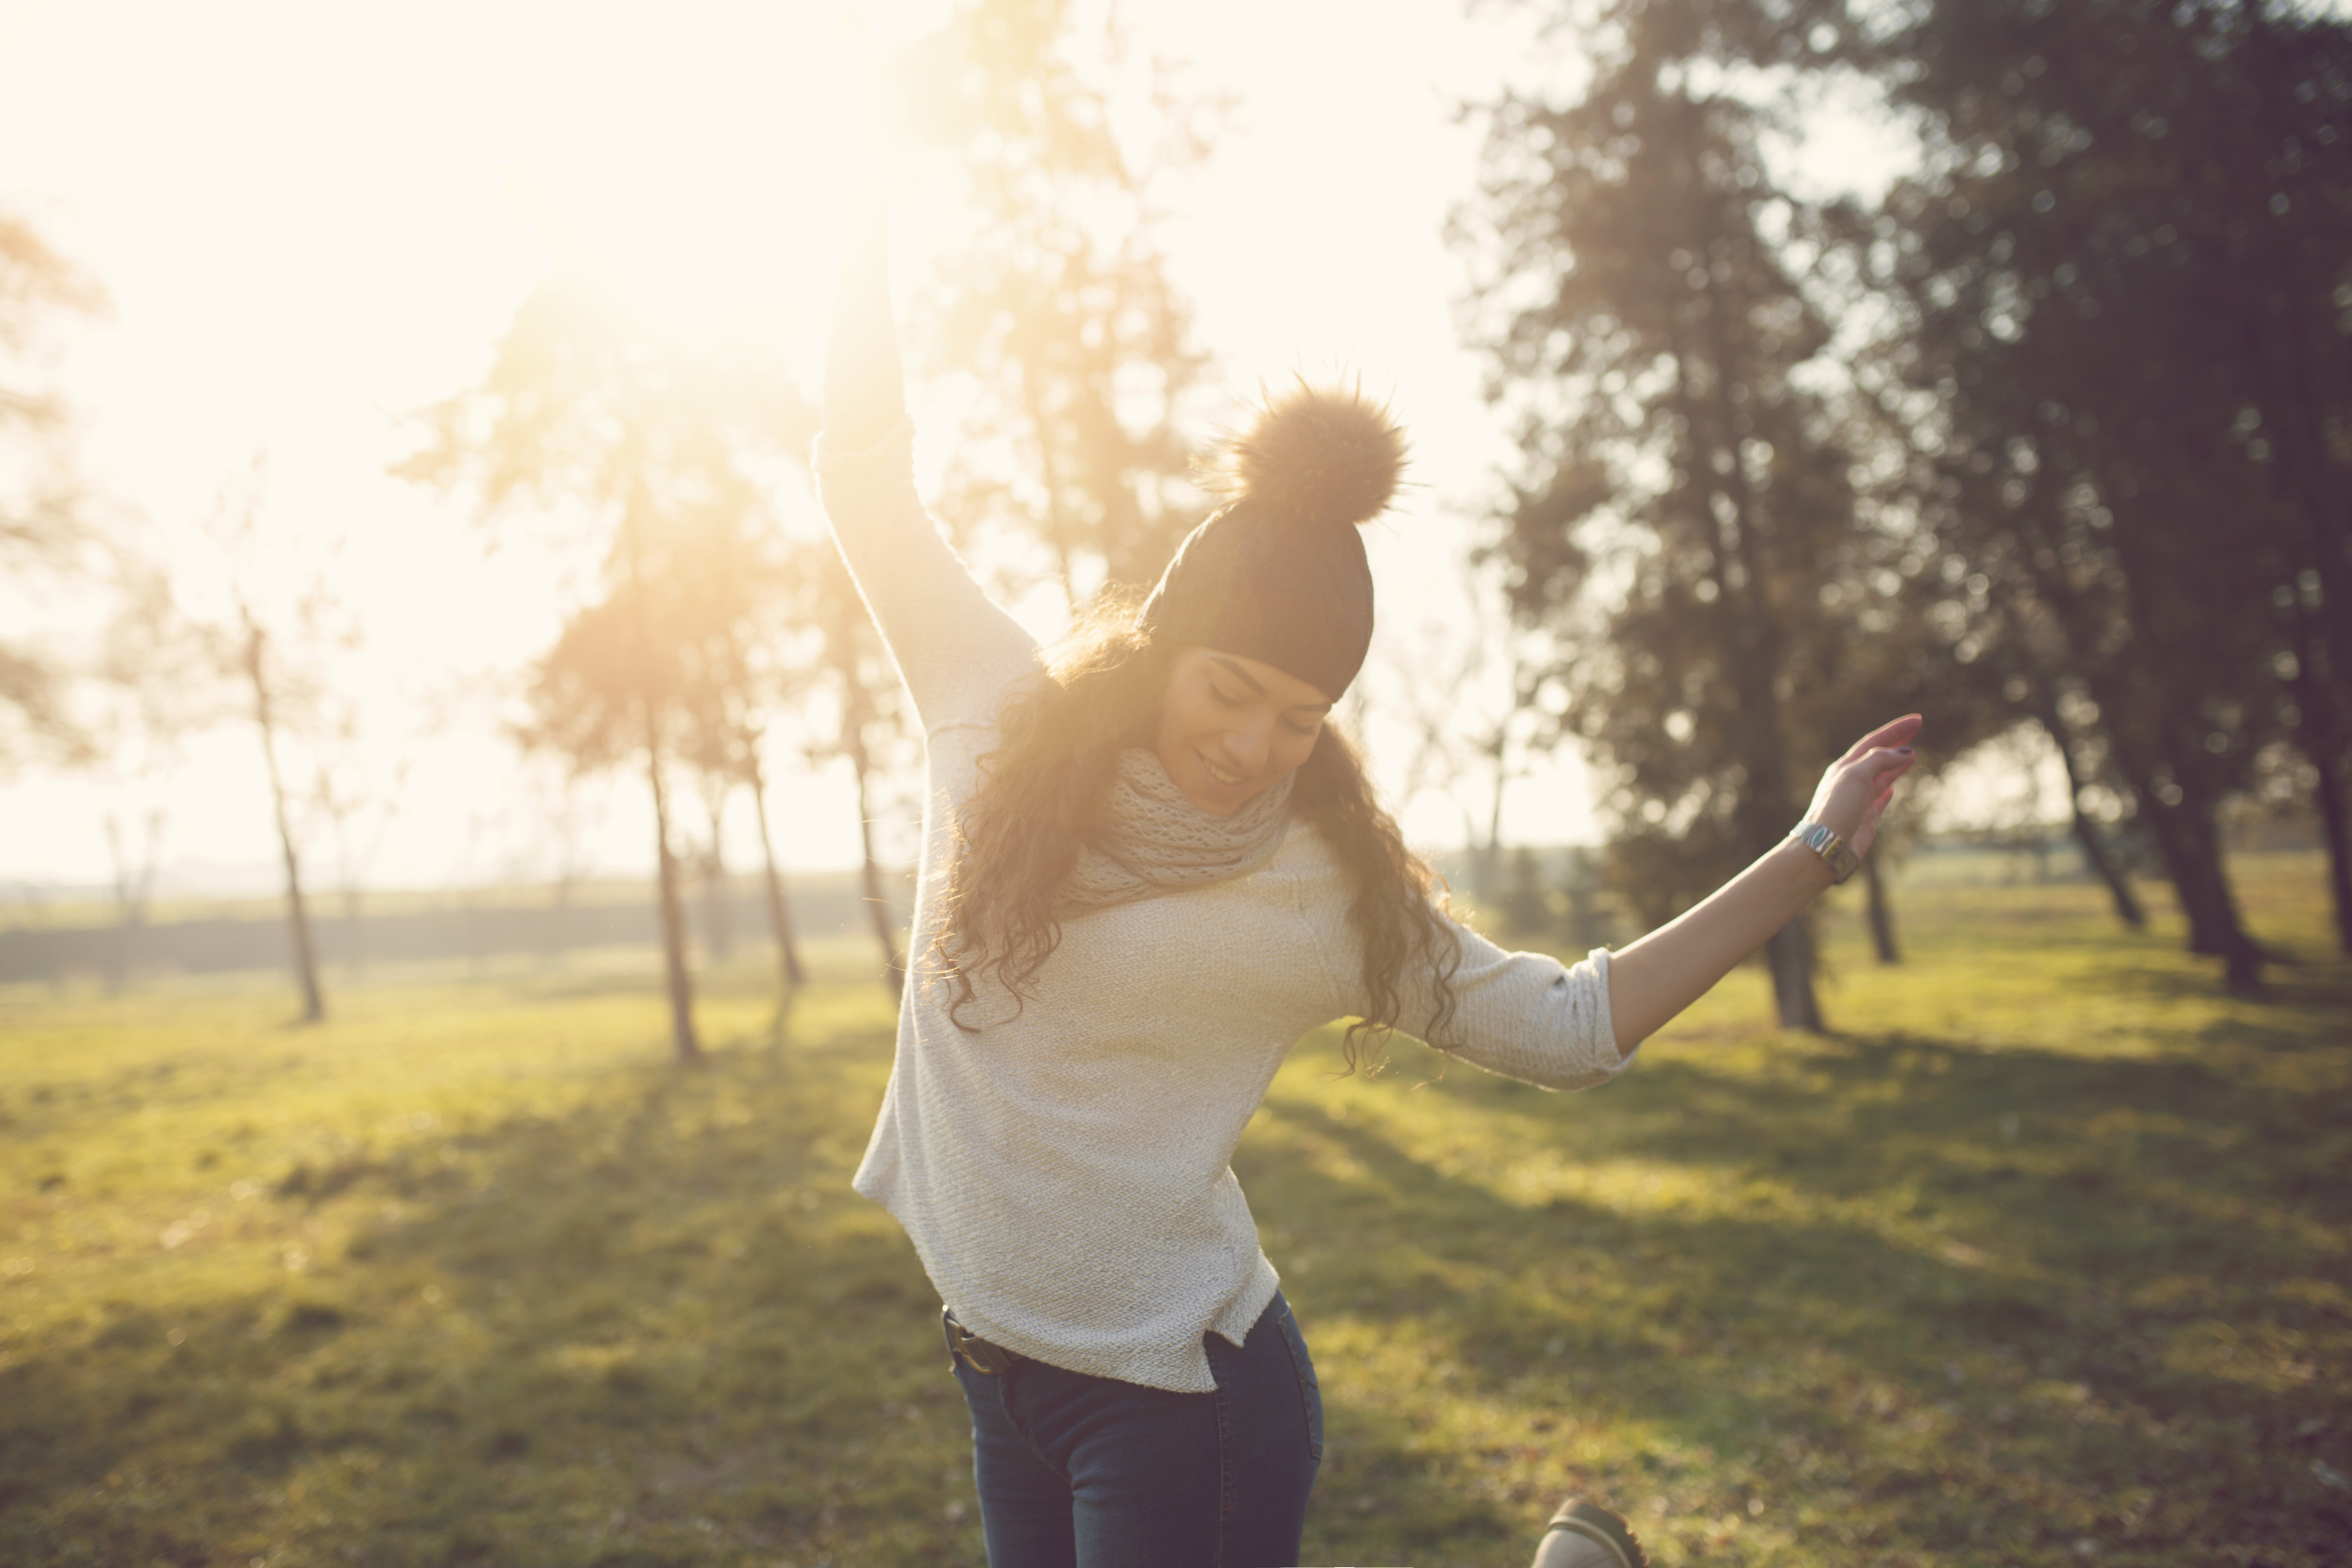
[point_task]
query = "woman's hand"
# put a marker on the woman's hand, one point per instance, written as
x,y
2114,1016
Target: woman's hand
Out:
x,y
1854,794
1664,972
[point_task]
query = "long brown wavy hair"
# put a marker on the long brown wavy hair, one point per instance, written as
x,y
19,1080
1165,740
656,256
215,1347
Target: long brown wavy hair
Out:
x,y
1042,791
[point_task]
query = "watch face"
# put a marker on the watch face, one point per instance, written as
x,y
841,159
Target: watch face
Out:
x,y
1823,840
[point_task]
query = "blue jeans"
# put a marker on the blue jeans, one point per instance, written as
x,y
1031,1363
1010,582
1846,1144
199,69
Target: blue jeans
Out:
x,y
1089,1472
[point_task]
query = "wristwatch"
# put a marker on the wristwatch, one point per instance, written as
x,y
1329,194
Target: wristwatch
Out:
x,y
1824,842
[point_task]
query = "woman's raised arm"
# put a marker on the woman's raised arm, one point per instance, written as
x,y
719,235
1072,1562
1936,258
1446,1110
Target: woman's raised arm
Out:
x,y
1675,965
956,648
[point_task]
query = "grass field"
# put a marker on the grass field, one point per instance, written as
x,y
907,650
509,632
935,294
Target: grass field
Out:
x,y
2041,1258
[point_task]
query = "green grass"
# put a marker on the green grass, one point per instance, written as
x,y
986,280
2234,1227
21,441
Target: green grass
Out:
x,y
2045,1248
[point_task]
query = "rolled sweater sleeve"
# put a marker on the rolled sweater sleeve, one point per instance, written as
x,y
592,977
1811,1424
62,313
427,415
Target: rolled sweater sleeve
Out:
x,y
956,648
1523,1014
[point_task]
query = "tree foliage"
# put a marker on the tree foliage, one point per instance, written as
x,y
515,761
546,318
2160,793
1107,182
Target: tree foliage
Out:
x,y
2088,467
43,530
1683,524
1052,302
653,447
2127,273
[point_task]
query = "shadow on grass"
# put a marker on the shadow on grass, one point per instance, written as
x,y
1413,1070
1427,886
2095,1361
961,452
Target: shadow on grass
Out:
x,y
656,1331
1877,1301
1902,1300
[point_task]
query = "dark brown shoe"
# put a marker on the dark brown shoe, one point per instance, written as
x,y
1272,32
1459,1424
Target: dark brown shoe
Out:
x,y
1586,1535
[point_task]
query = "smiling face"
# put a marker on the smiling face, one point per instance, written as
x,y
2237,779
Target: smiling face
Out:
x,y
1231,728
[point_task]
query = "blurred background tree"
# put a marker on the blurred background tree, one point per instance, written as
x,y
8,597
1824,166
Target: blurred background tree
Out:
x,y
868,731
270,637
45,532
647,445
363,751
2060,435
745,628
1053,310
151,690
1682,517
2123,278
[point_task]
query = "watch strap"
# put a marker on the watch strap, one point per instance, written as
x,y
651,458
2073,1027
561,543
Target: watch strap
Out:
x,y
1824,841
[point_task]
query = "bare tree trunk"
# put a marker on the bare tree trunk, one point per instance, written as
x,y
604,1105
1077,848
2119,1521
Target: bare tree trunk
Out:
x,y
126,924
878,907
780,914
354,944
673,919
2322,742
635,519
306,963
2191,849
2330,792
1490,857
718,934
1882,912
134,890
857,711
2102,860
559,924
2086,833
2190,840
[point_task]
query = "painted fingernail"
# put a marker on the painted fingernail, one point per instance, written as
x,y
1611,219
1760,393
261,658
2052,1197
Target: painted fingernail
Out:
x,y
1902,751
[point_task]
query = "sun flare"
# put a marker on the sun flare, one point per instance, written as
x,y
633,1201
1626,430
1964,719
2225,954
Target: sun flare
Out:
x,y
702,160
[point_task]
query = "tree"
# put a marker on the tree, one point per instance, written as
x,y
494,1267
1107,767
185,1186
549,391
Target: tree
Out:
x,y
264,678
867,705
568,810
750,641
600,697
780,910
149,688
2290,108
43,531
1466,700
360,786
2122,276
717,930
1051,294
2068,717
259,612
638,440
1685,499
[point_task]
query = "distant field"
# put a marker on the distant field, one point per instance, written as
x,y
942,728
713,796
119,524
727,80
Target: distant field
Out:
x,y
2042,1258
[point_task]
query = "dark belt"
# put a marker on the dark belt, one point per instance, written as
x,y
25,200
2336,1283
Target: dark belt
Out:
x,y
975,1352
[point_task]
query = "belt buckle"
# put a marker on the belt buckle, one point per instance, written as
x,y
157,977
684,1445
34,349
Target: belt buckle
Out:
x,y
975,1352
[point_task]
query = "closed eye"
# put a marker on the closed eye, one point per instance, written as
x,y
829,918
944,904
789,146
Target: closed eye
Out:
x,y
1222,695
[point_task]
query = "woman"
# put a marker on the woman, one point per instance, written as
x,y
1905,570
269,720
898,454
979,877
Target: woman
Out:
x,y
1151,863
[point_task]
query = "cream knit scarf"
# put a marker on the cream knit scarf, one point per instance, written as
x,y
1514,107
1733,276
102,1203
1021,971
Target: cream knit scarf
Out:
x,y
1151,838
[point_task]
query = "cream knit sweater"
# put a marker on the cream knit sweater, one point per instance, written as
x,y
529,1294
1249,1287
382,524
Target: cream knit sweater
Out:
x,y
1065,1174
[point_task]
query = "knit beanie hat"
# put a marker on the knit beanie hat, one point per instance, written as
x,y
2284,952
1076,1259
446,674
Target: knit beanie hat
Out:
x,y
1279,574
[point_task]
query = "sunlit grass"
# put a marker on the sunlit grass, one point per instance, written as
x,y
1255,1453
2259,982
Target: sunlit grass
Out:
x,y
2045,1247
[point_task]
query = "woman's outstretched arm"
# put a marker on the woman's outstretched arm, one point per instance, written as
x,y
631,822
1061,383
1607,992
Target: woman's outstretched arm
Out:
x,y
1675,965
956,649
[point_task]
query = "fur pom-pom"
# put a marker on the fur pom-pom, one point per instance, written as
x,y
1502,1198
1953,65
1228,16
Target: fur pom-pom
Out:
x,y
1313,454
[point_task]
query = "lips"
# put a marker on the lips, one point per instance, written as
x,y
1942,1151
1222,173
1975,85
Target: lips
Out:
x,y
1230,780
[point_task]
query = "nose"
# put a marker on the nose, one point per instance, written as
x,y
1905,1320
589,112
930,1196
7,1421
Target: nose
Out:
x,y
1250,742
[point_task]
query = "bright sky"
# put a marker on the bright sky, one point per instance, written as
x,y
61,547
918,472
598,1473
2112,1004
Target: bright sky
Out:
x,y
304,217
